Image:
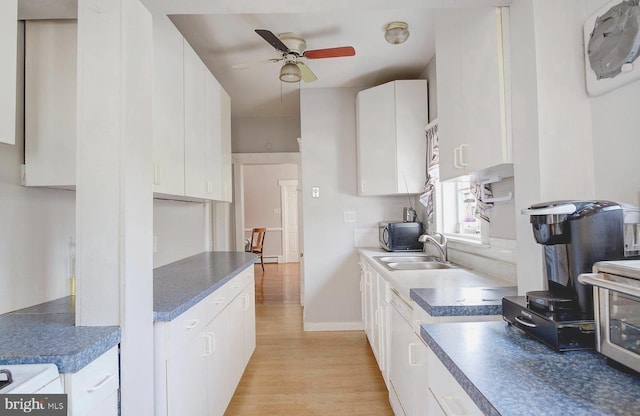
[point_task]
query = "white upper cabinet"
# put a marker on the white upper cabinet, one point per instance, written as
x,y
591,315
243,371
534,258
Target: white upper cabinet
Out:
x,y
225,155
391,140
213,154
9,59
168,108
195,131
472,64
50,103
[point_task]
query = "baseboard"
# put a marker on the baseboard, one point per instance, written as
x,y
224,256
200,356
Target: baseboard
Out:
x,y
333,326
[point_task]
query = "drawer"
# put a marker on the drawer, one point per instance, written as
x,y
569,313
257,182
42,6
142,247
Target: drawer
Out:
x,y
447,392
217,301
184,327
239,282
93,384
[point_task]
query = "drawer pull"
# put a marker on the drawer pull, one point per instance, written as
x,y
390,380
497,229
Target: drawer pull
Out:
x,y
456,411
412,361
193,324
101,384
209,345
220,301
525,323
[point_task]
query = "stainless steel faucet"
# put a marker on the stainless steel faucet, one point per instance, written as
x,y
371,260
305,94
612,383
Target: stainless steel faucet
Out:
x,y
440,244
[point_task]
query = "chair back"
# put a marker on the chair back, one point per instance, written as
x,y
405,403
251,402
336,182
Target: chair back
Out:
x,y
257,239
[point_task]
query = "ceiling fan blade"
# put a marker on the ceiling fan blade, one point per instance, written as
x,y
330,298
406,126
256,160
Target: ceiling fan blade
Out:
x,y
273,40
330,52
306,74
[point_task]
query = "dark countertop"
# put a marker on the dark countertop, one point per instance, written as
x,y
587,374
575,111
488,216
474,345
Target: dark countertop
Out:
x,y
46,333
180,285
462,301
507,373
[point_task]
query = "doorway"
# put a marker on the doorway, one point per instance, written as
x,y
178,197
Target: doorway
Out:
x,y
267,194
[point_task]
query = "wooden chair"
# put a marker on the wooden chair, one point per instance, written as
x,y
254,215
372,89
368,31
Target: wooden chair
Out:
x,y
257,242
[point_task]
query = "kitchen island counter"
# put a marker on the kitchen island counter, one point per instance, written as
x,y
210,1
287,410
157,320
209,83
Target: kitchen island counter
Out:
x,y
507,373
180,285
46,333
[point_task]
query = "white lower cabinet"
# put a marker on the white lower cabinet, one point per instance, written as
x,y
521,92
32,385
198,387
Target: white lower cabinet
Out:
x,y
400,368
417,386
446,395
94,389
201,355
187,378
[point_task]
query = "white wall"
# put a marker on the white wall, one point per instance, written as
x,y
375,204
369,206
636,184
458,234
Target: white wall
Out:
x,y
263,204
264,134
331,274
179,228
36,225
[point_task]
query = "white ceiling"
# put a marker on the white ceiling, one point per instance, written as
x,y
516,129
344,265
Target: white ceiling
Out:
x,y
222,33
224,40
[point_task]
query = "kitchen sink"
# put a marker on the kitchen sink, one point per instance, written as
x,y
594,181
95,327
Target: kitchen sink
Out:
x,y
414,263
423,265
405,259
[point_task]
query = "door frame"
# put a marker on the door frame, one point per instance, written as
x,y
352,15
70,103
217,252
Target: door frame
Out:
x,y
238,161
284,185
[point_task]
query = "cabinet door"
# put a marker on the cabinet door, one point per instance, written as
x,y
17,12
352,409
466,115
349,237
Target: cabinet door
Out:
x,y
213,142
187,378
237,339
411,118
194,124
376,141
218,365
50,102
472,108
400,374
249,321
418,360
225,152
168,107
8,56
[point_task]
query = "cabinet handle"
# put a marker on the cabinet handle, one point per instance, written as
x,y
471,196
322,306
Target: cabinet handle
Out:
x,y
210,343
245,298
157,175
193,324
220,301
363,186
376,319
455,158
412,362
101,384
463,164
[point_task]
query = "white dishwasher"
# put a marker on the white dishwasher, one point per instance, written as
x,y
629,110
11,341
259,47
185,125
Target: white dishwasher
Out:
x,y
30,379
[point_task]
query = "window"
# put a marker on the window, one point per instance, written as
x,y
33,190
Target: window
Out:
x,y
458,209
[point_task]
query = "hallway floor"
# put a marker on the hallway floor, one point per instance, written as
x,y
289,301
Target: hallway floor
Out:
x,y
293,372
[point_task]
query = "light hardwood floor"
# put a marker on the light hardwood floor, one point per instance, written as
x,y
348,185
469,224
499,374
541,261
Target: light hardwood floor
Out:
x,y
293,372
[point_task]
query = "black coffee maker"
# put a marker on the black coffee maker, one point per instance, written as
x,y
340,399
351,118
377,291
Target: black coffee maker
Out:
x,y
575,235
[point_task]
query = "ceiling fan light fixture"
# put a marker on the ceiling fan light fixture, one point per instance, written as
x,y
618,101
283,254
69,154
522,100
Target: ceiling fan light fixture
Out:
x,y
396,32
290,72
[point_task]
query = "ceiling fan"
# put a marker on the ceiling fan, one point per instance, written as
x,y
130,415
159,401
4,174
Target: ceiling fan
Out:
x,y
292,46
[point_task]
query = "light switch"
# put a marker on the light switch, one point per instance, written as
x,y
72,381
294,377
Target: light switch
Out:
x,y
315,192
349,216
